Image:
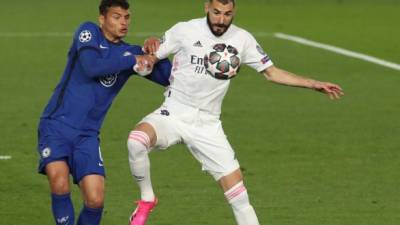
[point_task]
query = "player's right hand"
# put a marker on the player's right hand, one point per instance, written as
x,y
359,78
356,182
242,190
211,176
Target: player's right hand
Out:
x,y
151,45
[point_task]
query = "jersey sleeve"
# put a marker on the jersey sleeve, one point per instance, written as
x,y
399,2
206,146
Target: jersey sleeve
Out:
x,y
254,56
161,73
170,42
87,35
95,66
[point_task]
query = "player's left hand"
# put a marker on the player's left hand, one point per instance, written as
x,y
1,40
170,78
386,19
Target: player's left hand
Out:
x,y
334,91
151,45
144,64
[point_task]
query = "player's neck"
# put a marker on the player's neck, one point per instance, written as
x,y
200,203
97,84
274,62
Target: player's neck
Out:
x,y
110,37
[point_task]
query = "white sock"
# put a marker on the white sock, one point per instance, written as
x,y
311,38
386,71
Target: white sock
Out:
x,y
239,201
138,146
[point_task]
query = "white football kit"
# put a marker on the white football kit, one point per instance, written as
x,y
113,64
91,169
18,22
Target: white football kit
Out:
x,y
192,106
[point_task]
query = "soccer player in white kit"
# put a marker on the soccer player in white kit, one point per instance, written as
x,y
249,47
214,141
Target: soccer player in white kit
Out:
x,y
192,106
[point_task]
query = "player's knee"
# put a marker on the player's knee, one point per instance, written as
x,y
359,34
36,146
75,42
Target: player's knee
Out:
x,y
59,185
227,181
58,175
138,144
95,201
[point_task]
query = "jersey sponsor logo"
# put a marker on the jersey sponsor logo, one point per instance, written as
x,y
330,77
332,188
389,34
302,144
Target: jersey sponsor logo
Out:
x,y
199,62
103,47
109,80
85,36
46,153
198,44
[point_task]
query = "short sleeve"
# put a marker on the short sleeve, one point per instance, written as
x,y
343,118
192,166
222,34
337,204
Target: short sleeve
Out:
x,y
87,35
170,42
254,55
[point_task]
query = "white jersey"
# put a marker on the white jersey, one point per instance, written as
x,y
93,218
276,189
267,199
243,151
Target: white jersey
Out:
x,y
190,41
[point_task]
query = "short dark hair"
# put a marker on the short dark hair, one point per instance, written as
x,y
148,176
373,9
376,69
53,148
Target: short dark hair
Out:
x,y
106,4
224,1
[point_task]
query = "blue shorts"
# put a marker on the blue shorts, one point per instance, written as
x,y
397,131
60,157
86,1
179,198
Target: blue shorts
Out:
x,y
79,149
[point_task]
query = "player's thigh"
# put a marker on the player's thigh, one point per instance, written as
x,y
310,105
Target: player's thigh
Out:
x,y
165,128
58,175
212,149
87,158
92,189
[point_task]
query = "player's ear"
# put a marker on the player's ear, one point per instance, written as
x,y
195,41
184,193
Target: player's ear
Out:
x,y
206,7
101,20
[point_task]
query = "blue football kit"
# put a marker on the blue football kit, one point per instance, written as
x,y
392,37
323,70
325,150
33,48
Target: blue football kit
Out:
x,y
95,72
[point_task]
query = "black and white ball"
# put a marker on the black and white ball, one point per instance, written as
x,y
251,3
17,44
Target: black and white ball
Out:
x,y
222,62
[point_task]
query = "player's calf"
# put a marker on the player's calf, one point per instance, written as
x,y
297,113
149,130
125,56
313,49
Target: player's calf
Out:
x,y
138,146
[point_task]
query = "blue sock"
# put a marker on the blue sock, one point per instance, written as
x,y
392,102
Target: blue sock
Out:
x,y
90,216
63,210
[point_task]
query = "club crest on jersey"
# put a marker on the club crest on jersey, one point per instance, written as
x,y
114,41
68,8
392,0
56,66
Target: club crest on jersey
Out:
x,y
46,153
260,50
162,39
109,80
85,36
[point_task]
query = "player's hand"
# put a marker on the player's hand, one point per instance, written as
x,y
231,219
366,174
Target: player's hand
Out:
x,y
151,45
144,64
334,91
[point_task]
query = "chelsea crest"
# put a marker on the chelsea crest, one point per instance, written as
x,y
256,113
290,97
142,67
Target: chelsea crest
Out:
x,y
109,80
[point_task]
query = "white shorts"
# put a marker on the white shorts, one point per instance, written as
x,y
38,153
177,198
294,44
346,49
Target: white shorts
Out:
x,y
201,131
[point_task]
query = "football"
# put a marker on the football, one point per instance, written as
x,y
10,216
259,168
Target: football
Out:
x,y
222,61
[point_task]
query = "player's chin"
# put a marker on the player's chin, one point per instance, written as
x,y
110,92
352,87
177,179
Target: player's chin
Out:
x,y
219,31
122,33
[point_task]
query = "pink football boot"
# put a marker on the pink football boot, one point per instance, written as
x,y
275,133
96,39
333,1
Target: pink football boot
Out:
x,y
142,212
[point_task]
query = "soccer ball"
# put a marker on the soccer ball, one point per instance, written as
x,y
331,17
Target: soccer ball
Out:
x,y
222,62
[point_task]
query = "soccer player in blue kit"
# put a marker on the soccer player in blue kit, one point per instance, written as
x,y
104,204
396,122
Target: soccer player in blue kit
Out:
x,y
99,64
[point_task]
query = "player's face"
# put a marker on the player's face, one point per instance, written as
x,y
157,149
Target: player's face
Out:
x,y
115,23
219,16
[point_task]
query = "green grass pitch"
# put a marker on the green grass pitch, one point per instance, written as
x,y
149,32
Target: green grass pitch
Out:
x,y
306,160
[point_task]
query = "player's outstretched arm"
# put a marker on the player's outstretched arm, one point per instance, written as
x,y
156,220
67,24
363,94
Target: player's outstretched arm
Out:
x,y
96,66
281,76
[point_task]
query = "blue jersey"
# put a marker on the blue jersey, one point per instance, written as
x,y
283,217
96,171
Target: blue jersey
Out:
x,y
95,72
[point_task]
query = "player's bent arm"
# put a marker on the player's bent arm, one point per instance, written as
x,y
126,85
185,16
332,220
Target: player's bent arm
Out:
x,y
96,66
161,72
281,76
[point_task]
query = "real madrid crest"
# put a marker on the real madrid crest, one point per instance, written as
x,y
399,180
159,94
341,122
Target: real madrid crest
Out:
x,y
162,39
